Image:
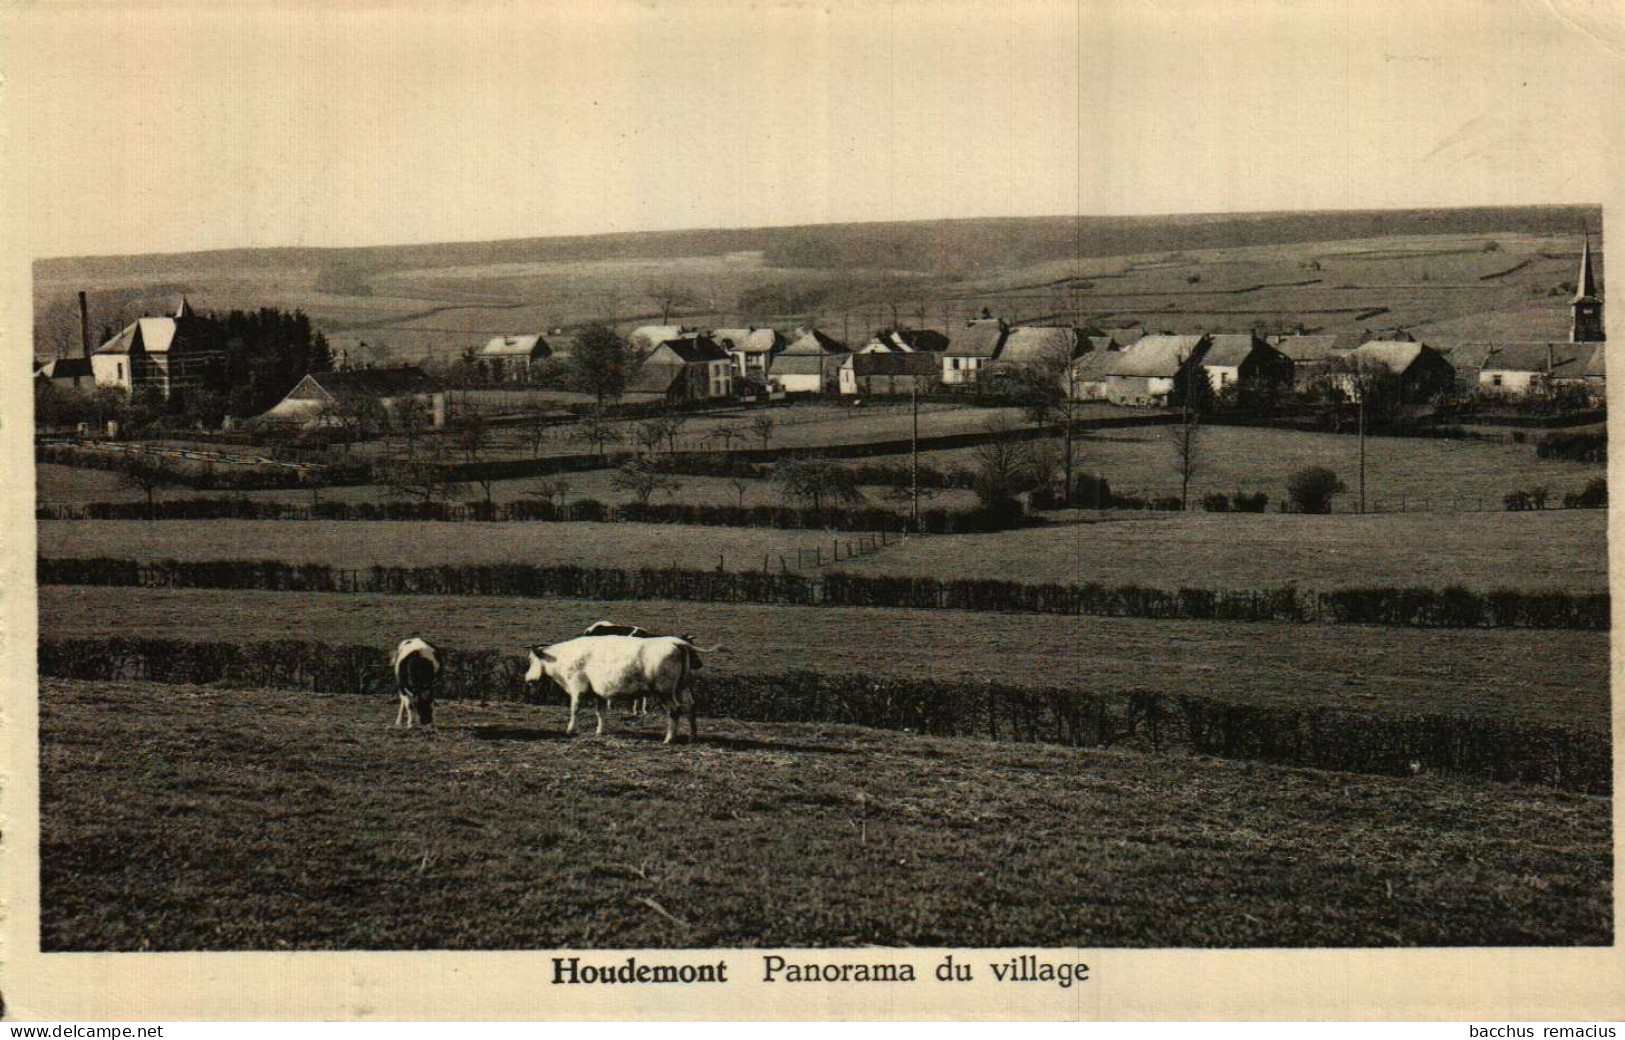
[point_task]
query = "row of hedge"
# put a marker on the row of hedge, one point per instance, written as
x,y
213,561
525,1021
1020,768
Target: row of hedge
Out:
x,y
1321,738
1452,607
1594,496
203,474
587,510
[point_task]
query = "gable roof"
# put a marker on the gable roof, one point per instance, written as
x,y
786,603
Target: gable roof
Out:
x,y
1040,342
654,335
692,350
375,382
811,342
1395,355
1158,356
1307,349
515,346
907,340
73,367
1229,350
154,335
749,340
655,379
1567,359
982,339
891,364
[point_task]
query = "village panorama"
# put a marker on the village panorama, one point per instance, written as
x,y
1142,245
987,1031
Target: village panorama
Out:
x,y
1054,582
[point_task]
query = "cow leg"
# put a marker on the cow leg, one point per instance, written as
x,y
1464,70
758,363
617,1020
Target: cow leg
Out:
x,y
600,707
400,714
575,699
671,722
693,717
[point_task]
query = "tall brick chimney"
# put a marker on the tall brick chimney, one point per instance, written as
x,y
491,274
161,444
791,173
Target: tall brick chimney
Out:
x,y
84,323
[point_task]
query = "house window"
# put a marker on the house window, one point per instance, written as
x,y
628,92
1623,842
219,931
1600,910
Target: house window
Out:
x,y
121,371
1495,380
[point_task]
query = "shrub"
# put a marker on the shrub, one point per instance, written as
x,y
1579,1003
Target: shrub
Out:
x,y
1254,503
1216,502
1312,489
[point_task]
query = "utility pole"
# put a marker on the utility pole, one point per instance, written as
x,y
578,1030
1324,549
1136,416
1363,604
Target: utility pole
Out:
x,y
1362,453
914,457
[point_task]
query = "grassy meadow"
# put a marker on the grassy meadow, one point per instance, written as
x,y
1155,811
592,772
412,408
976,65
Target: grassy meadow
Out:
x,y
241,819
1557,678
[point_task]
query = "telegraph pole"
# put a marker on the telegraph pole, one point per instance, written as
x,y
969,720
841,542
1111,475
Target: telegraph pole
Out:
x,y
1362,453
914,457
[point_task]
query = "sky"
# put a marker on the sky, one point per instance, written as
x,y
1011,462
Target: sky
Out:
x,y
156,127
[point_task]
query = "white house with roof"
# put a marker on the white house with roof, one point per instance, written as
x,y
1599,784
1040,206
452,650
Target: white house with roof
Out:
x,y
514,359
970,352
811,364
166,354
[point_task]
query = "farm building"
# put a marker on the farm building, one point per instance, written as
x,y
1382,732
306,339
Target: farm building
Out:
x,y
1087,381
1042,343
329,398
1245,360
513,359
750,348
691,368
648,337
67,373
1596,374
1587,326
1525,369
907,341
971,351
811,364
883,373
1423,371
1311,356
1151,371
166,354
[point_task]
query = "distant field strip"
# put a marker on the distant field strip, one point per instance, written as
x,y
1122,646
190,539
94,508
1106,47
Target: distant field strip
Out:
x,y
1553,678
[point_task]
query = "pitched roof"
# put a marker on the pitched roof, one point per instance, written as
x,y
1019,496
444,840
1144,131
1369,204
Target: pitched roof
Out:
x,y
515,346
1304,349
788,364
1567,359
1154,356
1040,342
890,364
912,339
1126,337
1394,355
811,342
654,335
1586,286
153,334
1229,350
749,341
1093,365
1597,364
64,368
654,379
694,350
982,339
376,382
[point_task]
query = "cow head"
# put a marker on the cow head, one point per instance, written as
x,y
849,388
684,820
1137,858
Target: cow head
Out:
x,y
540,660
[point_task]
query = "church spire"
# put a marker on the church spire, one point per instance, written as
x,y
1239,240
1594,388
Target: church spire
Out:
x,y
1587,305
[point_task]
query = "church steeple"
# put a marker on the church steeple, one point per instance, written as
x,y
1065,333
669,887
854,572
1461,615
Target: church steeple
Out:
x,y
1587,305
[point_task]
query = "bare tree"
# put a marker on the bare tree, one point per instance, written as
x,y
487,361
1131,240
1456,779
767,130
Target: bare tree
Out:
x,y
1185,438
638,477
148,474
649,434
536,416
761,424
674,426
1004,464
411,418
817,481
596,430
726,434
740,486
1048,385
357,414
428,477
668,294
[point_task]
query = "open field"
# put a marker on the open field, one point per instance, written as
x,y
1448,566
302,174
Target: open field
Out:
x,y
1430,271
1416,472
187,818
1557,678
1555,549
1561,549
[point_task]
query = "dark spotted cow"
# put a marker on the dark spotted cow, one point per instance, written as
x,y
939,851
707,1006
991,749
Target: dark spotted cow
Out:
x,y
418,664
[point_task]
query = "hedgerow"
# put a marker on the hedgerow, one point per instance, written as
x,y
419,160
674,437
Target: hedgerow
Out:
x,y
1320,738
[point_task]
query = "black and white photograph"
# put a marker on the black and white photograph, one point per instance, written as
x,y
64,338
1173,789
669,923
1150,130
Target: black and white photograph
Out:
x,y
821,481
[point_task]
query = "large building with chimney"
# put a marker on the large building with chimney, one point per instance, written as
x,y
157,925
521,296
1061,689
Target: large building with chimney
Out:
x,y
169,354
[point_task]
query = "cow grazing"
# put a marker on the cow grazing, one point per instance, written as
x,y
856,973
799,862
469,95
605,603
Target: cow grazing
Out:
x,y
418,664
610,666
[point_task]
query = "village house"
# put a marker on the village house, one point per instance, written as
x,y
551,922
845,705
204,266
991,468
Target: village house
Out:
x,y
67,373
1050,344
336,398
1312,356
647,337
689,368
884,373
1151,372
1245,361
971,351
1424,373
1087,379
811,364
167,354
751,349
906,341
1527,369
513,359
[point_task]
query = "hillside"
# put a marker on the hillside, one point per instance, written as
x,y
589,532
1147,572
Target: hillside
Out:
x,y
1334,270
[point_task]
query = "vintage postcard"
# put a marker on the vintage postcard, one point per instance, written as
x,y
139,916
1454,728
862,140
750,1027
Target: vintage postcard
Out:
x,y
1027,510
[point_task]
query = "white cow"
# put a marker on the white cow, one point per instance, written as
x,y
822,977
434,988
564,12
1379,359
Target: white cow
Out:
x,y
417,668
622,666
635,705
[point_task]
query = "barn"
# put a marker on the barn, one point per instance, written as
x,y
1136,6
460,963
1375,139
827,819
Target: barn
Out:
x,y
883,373
1423,371
971,351
690,368
750,348
1151,371
1312,356
811,364
1244,361
322,398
